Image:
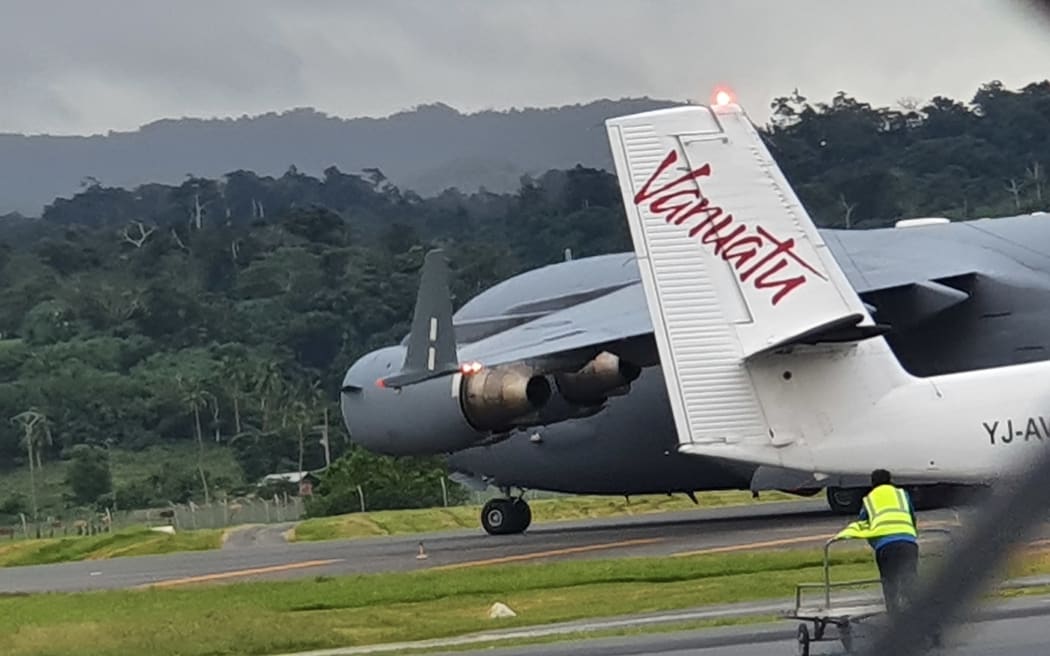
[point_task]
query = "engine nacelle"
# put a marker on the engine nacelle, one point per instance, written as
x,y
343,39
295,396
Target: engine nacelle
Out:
x,y
497,399
604,376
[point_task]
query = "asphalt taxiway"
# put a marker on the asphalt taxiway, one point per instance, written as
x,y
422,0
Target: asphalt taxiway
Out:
x,y
1012,628
257,555
1006,637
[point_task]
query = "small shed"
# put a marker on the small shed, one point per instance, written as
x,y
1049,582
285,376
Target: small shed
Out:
x,y
305,480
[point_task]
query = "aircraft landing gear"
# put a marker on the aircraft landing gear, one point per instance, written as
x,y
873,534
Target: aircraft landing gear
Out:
x,y
506,516
845,500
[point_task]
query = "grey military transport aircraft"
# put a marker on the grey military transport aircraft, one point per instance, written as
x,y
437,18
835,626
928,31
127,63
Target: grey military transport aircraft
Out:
x,y
550,380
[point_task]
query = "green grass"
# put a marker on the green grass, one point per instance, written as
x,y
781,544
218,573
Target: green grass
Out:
x,y
135,541
648,629
401,522
325,612
261,618
139,541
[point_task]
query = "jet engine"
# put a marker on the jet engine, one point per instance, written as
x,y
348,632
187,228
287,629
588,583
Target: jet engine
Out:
x,y
604,376
493,399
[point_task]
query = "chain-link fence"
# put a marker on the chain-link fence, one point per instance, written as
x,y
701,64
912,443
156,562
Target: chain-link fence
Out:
x,y
189,516
280,508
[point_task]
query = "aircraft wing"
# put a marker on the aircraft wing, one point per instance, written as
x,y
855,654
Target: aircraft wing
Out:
x,y
614,322
907,275
903,294
904,276
879,260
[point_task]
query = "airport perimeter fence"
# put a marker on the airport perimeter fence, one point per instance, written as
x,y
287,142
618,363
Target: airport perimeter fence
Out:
x,y
189,516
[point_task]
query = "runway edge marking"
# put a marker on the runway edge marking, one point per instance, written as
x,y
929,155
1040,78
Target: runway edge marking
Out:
x,y
237,573
547,554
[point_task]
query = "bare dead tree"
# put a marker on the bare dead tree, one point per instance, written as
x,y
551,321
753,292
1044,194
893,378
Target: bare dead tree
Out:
x,y
847,209
140,239
1014,188
909,103
216,419
178,240
197,210
1036,174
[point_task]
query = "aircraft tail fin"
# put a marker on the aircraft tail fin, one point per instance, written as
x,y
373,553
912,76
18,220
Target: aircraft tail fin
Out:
x,y
431,348
736,276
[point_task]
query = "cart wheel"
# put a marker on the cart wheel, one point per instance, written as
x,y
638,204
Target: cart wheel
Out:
x,y
803,640
846,636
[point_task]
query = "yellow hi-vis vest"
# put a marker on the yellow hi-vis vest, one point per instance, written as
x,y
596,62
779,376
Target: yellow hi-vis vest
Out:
x,y
888,514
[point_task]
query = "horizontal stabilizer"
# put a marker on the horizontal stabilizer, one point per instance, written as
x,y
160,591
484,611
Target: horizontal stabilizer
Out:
x,y
431,349
847,329
911,304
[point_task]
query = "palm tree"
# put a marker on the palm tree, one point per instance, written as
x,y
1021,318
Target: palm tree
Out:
x,y
36,429
268,384
235,382
196,398
318,400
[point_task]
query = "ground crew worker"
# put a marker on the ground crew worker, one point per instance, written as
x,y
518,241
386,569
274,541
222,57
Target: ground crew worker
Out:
x,y
887,521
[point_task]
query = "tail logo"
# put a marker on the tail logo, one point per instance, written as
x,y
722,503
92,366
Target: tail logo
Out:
x,y
758,257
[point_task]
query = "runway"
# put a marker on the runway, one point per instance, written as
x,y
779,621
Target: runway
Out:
x,y
772,525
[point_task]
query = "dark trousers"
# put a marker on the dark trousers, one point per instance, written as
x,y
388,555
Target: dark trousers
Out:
x,y
898,568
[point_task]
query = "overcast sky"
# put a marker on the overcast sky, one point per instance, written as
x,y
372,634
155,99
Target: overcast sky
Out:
x,y
78,67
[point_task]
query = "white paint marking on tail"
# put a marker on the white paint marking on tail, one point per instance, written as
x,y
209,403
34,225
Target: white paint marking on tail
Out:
x,y
769,355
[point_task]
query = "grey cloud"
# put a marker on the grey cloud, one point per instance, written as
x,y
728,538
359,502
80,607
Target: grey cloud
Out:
x,y
114,65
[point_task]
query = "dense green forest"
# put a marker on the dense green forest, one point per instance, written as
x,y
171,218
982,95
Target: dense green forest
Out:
x,y
225,311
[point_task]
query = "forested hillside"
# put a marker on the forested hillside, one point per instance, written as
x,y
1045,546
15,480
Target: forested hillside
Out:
x,y
224,311
427,149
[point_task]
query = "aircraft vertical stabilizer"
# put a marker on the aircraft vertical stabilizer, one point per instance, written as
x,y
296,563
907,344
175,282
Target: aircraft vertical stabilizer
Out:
x,y
736,275
431,348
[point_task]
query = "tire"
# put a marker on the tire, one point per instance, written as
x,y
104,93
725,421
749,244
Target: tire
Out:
x,y
522,514
497,517
803,640
846,636
845,501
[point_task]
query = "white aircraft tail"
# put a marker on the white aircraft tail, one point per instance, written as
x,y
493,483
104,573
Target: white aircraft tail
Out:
x,y
769,355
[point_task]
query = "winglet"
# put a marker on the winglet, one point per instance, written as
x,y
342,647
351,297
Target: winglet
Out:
x,y
431,347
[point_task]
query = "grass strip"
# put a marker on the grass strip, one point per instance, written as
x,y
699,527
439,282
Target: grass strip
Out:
x,y
325,612
629,631
277,617
135,541
140,541
403,522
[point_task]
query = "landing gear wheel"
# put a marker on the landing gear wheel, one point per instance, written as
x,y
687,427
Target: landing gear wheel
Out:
x,y
506,516
845,501
496,515
523,515
803,640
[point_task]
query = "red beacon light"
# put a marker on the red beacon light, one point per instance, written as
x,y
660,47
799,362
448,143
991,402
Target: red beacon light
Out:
x,y
470,368
723,97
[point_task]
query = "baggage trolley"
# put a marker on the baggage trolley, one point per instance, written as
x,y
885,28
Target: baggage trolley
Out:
x,y
824,613
844,614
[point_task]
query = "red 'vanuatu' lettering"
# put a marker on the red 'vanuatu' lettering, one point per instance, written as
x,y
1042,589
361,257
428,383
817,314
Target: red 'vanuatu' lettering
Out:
x,y
757,256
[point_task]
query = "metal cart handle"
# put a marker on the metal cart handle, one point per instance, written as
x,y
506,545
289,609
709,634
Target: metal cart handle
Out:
x,y
827,558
